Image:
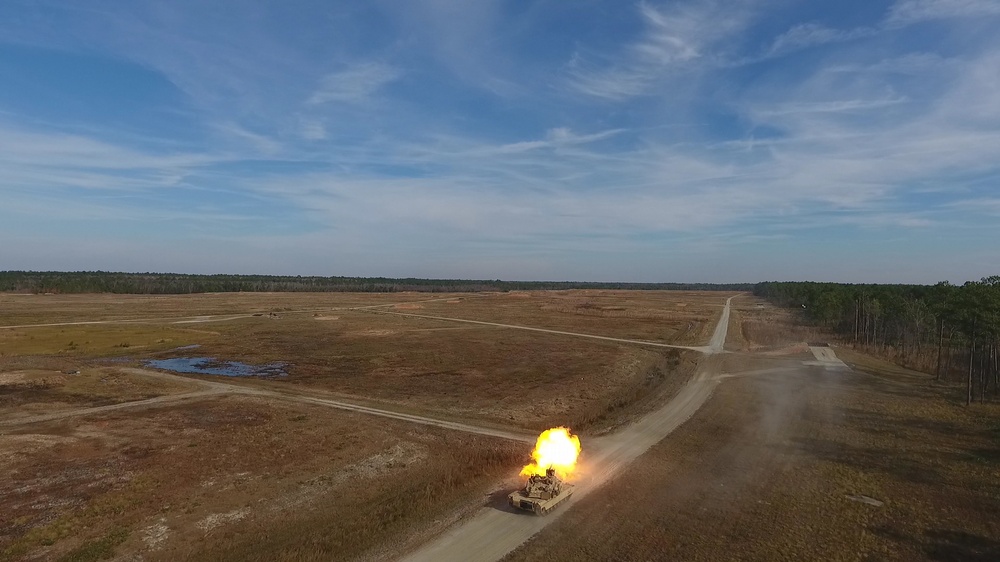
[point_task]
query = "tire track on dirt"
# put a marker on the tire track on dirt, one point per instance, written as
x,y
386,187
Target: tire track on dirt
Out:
x,y
701,349
215,389
140,404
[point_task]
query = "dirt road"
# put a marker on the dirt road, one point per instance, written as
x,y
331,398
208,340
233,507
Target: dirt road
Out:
x,y
214,389
702,349
136,404
497,529
423,420
718,341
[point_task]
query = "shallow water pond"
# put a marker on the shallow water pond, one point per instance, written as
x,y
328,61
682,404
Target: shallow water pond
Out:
x,y
213,366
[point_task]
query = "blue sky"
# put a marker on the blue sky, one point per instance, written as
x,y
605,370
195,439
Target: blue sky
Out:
x,y
709,140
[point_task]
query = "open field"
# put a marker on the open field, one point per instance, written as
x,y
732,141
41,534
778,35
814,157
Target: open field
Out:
x,y
21,309
779,465
676,317
180,482
28,392
761,327
468,371
172,477
154,466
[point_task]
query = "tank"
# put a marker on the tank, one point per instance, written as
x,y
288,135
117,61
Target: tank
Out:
x,y
541,493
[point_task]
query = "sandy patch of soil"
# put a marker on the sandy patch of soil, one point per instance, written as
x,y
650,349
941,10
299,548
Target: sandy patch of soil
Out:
x,y
795,349
373,333
218,519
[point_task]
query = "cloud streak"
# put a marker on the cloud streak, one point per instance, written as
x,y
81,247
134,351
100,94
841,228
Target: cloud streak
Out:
x,y
906,12
355,84
675,37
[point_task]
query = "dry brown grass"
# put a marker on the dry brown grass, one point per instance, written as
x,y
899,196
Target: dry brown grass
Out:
x,y
234,478
760,326
239,478
493,375
681,317
26,392
31,309
765,470
97,341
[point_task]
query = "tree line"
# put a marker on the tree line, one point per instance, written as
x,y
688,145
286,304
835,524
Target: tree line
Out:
x,y
950,330
174,283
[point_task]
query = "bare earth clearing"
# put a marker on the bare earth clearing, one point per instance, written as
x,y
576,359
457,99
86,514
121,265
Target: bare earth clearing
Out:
x,y
397,434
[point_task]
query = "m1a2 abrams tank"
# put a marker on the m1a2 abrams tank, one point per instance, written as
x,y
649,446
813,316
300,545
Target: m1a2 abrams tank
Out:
x,y
541,493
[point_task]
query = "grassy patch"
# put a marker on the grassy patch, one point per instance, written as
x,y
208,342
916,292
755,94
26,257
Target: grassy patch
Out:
x,y
768,469
100,549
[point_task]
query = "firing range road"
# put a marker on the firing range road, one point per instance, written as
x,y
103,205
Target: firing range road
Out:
x,y
702,349
214,389
493,531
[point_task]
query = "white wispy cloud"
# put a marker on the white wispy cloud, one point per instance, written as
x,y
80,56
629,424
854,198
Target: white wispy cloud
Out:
x,y
312,129
557,137
901,14
42,161
805,35
466,38
261,143
62,150
608,83
837,106
906,12
356,83
675,37
979,205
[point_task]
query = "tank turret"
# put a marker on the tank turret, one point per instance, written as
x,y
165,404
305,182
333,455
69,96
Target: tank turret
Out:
x,y
541,493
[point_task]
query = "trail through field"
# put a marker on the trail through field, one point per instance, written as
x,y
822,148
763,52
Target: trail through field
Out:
x,y
702,349
497,529
217,317
215,389
159,401
718,341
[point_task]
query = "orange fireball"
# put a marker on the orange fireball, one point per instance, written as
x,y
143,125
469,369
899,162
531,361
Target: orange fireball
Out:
x,y
556,448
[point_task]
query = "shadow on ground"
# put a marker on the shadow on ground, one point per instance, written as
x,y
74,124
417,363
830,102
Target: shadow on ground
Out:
x,y
947,545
